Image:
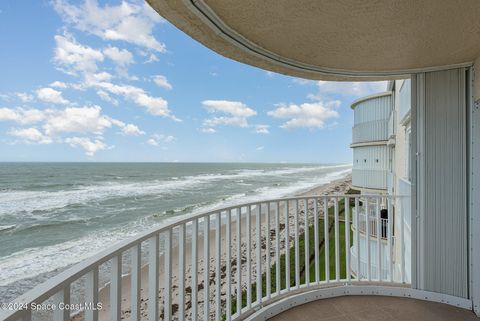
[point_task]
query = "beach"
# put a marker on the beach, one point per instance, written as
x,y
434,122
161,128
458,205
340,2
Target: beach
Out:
x,y
338,186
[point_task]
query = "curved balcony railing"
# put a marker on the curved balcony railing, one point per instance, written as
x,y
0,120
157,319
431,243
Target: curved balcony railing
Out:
x,y
374,227
227,263
369,178
370,131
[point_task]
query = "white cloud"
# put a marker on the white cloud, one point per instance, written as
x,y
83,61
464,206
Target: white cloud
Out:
x,y
157,140
77,120
349,89
161,81
21,115
301,81
24,97
72,57
30,135
121,57
237,113
127,21
106,97
132,130
262,129
308,115
58,84
156,106
260,148
90,147
51,95
208,130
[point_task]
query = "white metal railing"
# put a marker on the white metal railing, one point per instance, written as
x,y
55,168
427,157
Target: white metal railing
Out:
x,y
226,263
370,131
361,225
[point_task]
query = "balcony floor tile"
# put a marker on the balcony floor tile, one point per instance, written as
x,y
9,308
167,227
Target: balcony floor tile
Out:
x,y
375,308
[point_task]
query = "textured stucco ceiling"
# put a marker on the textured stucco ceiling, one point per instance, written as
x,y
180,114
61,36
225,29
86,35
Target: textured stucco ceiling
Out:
x,y
339,39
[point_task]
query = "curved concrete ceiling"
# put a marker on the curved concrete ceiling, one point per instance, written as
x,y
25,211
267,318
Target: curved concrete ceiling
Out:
x,y
334,40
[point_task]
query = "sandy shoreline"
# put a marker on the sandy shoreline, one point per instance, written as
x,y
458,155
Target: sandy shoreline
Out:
x,y
338,186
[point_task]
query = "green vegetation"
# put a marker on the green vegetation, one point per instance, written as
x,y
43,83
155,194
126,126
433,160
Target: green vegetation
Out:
x,y
311,263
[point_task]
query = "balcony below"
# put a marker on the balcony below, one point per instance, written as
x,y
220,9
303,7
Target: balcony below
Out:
x,y
369,178
353,308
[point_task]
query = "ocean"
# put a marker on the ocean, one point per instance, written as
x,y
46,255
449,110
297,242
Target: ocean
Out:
x,y
53,215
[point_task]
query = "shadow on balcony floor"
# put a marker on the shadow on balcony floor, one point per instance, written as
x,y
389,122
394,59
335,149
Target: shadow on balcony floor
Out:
x,y
375,308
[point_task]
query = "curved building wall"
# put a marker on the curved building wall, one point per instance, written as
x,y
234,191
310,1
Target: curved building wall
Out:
x,y
371,116
370,164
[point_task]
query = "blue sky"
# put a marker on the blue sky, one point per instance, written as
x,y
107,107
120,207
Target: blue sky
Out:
x,y
113,81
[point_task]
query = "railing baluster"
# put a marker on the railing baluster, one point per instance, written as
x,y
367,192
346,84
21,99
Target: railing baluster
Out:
x,y
367,232
379,234
218,262
389,236
228,276
206,267
194,298
249,258
267,252
239,261
357,236
181,271
326,239
287,247
315,232
337,241
62,296
347,239
277,248
258,251
153,277
307,242
168,276
116,288
402,245
297,247
91,295
136,252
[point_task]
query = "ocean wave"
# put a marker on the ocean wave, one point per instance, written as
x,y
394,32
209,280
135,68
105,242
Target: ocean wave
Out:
x,y
28,202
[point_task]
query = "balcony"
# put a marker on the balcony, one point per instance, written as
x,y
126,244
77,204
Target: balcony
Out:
x,y
369,178
370,131
246,262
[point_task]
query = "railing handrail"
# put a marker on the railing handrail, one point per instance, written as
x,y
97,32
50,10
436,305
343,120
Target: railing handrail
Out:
x,y
50,287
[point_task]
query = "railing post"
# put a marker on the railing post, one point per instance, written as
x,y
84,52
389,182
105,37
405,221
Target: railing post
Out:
x,y
337,241
206,267
287,246
357,237
326,239
267,252
315,232
367,232
62,297
307,245
297,247
277,248
168,277
228,272
239,261
218,261
91,295
153,277
194,298
402,245
116,288
181,271
389,238
249,258
347,239
258,250
379,234
136,276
